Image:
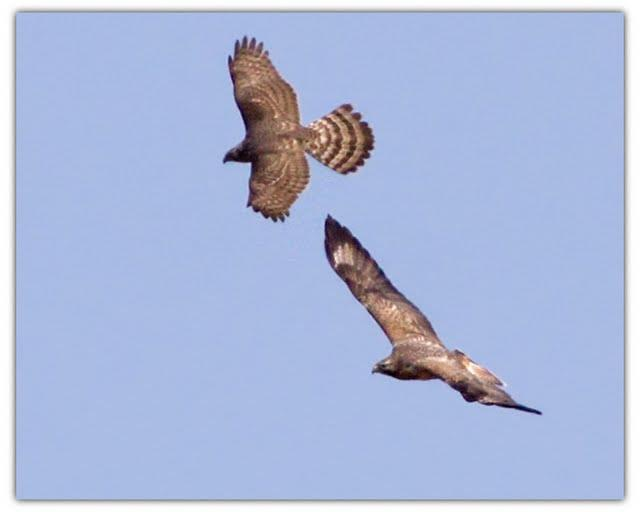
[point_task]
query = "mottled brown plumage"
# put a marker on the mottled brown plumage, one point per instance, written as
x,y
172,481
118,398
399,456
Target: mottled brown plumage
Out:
x,y
275,142
418,353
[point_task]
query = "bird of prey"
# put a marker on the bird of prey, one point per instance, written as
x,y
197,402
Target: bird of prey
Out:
x,y
417,351
275,142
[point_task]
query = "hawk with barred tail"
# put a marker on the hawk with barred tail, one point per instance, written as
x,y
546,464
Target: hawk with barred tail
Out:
x,y
275,142
418,353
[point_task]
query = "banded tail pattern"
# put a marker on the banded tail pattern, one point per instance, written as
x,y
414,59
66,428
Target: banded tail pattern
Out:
x,y
341,140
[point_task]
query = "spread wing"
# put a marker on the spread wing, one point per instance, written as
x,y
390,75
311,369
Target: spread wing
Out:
x,y
260,91
399,318
277,179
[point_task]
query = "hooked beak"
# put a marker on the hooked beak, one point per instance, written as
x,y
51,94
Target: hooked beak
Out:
x,y
225,159
375,369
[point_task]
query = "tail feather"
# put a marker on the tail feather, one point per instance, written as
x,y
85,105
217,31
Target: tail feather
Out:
x,y
341,140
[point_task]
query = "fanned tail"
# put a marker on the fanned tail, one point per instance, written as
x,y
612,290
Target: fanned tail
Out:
x,y
341,140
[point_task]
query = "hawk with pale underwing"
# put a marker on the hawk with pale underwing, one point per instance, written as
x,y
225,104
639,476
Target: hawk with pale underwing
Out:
x,y
418,353
275,142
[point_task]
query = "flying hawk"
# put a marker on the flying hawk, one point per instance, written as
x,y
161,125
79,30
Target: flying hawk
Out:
x,y
417,351
275,142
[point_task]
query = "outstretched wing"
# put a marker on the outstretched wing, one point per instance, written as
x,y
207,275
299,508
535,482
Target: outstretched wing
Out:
x,y
399,318
260,91
277,179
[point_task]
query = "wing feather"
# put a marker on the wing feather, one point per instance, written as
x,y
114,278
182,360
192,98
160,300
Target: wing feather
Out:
x,y
277,179
397,316
260,92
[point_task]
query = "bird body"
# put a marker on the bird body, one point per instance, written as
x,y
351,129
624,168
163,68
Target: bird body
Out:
x,y
275,142
418,353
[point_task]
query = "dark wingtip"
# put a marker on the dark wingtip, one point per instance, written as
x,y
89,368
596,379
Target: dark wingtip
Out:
x,y
335,233
331,227
524,408
251,45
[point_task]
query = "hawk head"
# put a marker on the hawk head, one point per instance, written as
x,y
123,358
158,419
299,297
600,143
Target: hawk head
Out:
x,y
400,368
236,154
386,366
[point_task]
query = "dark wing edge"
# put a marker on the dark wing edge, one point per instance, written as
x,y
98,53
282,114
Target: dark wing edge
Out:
x,y
480,384
396,315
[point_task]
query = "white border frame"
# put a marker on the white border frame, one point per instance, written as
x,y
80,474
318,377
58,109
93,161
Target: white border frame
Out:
x,y
7,189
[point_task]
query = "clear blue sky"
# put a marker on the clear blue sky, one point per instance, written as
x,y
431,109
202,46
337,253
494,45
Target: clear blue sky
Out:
x,y
172,343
